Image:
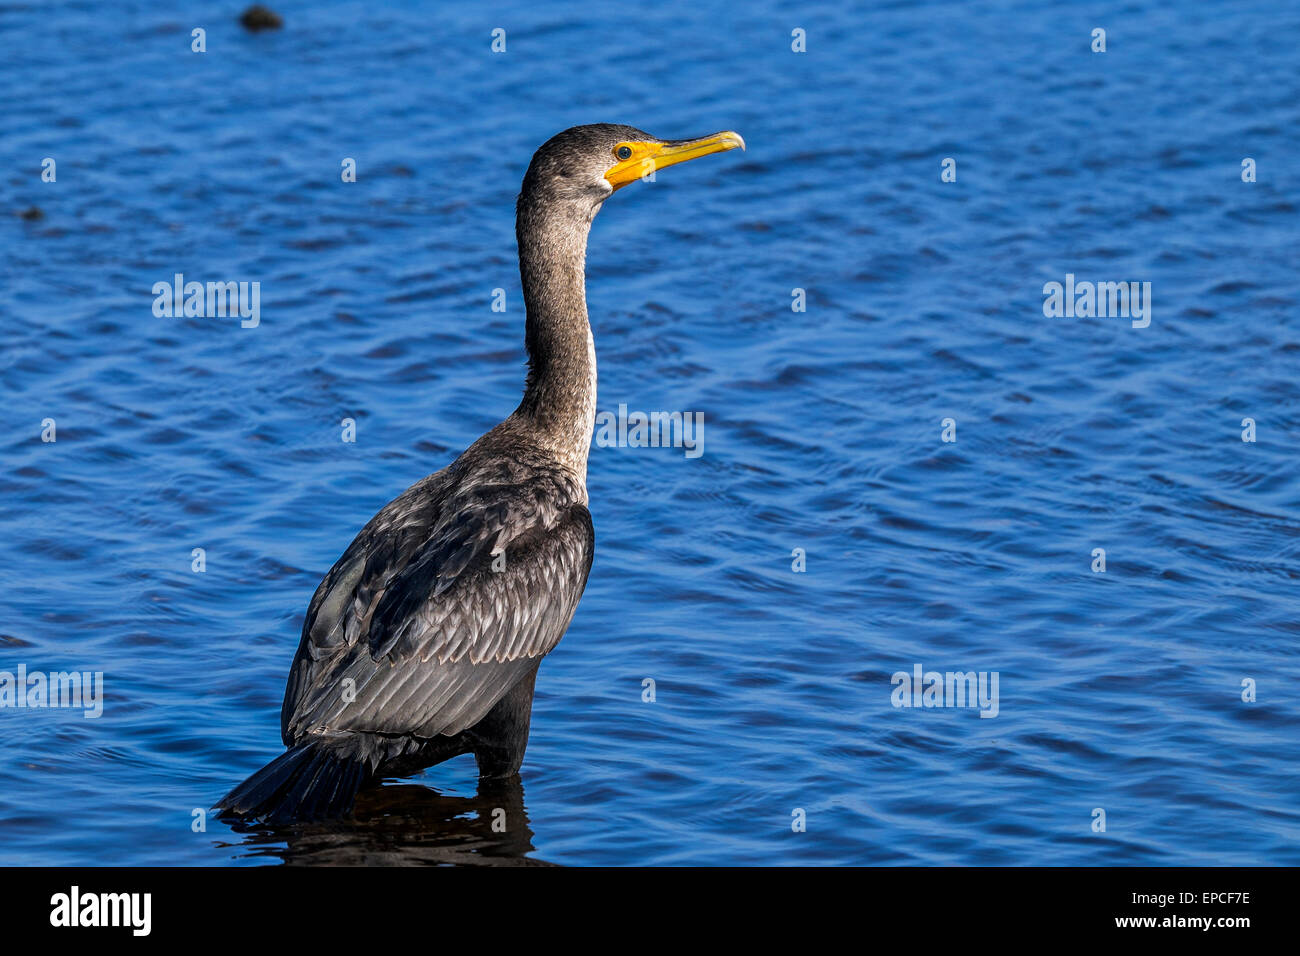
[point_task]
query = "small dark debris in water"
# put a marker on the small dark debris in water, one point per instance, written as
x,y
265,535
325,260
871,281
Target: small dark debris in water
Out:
x,y
258,17
32,213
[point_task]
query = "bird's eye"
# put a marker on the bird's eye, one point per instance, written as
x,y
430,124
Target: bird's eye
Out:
x,y
623,152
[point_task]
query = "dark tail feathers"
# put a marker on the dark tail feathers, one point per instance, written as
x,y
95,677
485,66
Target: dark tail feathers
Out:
x,y
316,779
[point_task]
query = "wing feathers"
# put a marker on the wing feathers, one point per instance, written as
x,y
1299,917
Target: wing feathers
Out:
x,y
427,621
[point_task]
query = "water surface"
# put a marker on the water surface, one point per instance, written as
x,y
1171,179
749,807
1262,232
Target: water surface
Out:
x,y
1119,691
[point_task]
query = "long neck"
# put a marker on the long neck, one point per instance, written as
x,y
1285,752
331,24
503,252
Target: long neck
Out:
x,y
559,403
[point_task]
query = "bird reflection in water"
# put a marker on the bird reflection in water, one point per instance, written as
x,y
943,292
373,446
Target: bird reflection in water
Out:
x,y
406,825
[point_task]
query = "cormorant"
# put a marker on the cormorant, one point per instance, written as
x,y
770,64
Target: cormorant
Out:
x,y
423,641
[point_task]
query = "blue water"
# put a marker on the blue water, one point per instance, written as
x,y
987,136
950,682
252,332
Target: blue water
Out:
x,y
1119,691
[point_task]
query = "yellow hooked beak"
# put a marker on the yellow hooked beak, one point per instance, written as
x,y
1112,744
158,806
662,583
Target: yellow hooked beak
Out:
x,y
639,159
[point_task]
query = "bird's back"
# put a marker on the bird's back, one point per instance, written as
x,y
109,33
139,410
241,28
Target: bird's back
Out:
x,y
446,598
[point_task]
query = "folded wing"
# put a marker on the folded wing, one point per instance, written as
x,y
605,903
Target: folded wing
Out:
x,y
439,607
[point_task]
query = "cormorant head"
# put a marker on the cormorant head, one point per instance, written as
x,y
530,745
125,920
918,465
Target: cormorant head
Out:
x,y
585,164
